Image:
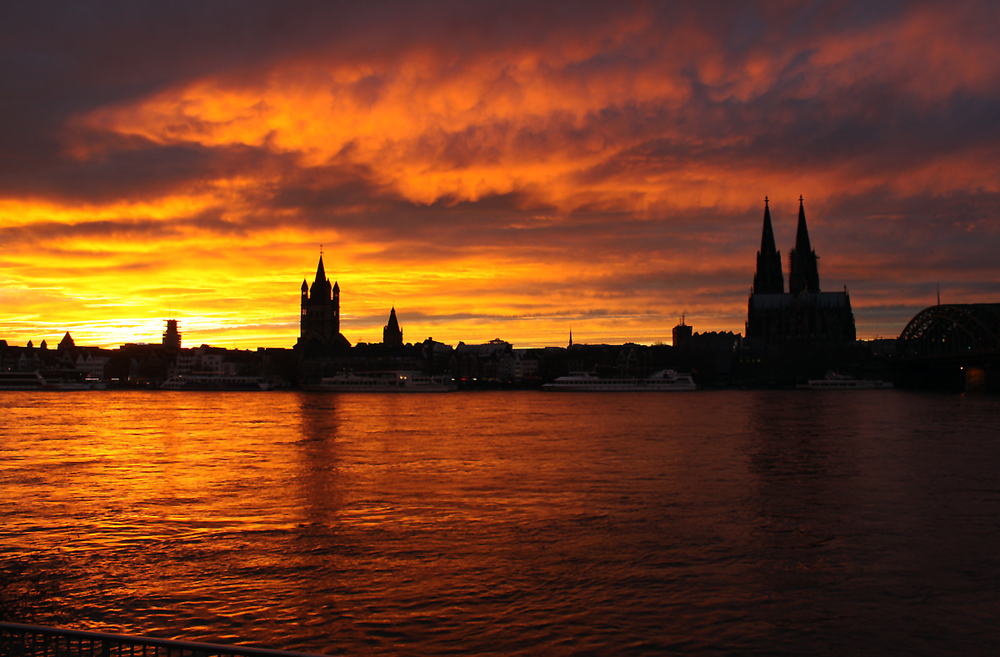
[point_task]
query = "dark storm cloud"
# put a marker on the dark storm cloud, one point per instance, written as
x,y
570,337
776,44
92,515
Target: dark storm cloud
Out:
x,y
879,226
875,129
44,233
135,168
61,60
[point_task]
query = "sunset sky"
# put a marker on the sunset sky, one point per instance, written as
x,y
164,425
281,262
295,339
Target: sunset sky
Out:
x,y
506,170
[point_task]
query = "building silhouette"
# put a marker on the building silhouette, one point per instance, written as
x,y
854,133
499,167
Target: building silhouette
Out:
x,y
682,332
768,279
319,325
804,315
65,343
171,337
392,335
803,272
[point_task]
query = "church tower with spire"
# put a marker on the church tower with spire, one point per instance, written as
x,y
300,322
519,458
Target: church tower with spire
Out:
x,y
320,320
804,270
768,279
392,335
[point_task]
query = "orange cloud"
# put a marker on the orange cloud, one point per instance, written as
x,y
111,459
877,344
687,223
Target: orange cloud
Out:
x,y
605,174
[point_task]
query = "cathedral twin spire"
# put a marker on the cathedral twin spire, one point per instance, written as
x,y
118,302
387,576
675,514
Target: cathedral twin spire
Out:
x,y
803,272
768,279
803,316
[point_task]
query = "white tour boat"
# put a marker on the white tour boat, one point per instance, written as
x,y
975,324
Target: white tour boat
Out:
x,y
662,381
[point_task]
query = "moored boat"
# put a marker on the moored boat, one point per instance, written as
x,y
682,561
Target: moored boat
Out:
x,y
213,381
95,383
48,380
22,380
61,384
834,381
662,381
391,381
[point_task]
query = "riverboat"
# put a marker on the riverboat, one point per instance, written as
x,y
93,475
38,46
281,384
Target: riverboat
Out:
x,y
22,381
662,381
834,381
62,384
95,383
212,381
51,380
392,381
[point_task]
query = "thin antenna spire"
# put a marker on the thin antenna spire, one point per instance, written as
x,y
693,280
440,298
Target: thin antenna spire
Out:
x,y
939,293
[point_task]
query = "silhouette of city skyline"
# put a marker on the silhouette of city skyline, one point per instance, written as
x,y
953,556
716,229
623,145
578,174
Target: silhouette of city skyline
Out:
x,y
788,334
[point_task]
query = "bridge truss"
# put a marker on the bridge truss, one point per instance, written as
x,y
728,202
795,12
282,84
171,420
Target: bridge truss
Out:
x,y
956,330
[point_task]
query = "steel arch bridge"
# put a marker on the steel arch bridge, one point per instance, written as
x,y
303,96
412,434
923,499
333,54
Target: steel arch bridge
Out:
x,y
964,332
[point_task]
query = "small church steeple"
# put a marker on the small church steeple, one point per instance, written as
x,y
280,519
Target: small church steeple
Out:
x,y
392,335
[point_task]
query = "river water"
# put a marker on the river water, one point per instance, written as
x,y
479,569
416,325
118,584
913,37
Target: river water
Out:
x,y
708,523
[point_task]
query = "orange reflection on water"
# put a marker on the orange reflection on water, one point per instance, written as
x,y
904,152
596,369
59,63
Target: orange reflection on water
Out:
x,y
517,522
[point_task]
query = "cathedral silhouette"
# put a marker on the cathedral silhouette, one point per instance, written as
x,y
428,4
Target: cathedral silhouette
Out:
x,y
804,314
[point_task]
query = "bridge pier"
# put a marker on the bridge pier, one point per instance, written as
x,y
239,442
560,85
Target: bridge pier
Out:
x,y
975,379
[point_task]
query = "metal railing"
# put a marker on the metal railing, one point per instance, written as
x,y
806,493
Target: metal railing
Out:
x,y
37,641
